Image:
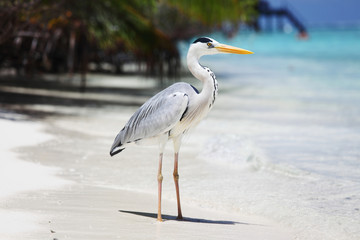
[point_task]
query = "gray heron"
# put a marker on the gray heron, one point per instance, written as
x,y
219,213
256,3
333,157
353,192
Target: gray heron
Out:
x,y
172,112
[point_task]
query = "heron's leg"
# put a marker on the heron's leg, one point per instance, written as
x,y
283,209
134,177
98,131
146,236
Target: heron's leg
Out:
x,y
162,142
177,143
160,178
176,180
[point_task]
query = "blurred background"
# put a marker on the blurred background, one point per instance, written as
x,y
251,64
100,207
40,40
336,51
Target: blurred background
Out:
x,y
143,36
77,47
78,37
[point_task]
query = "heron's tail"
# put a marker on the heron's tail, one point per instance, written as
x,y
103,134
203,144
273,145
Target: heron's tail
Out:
x,y
115,151
117,146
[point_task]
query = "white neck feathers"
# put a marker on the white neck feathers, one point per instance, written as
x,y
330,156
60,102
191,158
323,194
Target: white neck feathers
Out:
x,y
204,74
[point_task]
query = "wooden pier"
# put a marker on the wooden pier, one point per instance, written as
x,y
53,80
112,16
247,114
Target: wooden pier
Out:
x,y
279,14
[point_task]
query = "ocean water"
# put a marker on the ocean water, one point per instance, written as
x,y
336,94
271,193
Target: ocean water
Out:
x,y
284,135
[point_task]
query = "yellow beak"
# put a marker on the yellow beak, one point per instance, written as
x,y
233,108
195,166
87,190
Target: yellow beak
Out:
x,y
230,49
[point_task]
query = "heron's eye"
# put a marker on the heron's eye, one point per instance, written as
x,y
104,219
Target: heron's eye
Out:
x,y
209,45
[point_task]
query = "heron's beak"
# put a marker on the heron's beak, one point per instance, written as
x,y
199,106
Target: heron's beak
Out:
x,y
230,49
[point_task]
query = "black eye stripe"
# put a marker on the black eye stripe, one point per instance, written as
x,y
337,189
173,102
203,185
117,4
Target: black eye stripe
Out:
x,y
203,40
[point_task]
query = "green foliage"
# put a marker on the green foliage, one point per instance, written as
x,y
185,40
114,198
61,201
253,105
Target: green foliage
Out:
x,y
148,29
136,24
211,12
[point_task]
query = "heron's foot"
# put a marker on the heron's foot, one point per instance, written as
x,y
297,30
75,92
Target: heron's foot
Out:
x,y
159,219
180,217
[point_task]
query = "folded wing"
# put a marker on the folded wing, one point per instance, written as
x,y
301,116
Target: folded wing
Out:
x,y
157,116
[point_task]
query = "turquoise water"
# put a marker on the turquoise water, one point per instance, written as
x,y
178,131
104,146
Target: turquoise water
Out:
x,y
320,76
291,142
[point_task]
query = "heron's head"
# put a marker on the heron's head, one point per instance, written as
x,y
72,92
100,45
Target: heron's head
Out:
x,y
208,46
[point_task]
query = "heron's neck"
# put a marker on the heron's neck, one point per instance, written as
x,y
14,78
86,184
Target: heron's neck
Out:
x,y
206,76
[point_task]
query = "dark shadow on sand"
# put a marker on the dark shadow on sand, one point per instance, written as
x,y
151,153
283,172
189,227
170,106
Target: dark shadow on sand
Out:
x,y
19,95
186,219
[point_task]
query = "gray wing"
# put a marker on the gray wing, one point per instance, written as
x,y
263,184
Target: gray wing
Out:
x,y
156,116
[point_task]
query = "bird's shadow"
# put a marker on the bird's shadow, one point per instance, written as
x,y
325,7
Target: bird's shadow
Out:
x,y
185,219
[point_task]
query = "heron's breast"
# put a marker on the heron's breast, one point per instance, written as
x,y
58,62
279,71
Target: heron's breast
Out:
x,y
190,120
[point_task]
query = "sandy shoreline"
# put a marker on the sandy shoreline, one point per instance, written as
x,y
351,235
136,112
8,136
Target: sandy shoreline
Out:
x,y
85,212
64,201
62,184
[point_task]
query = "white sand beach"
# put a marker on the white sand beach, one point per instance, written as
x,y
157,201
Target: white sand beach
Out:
x,y
47,193
59,182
